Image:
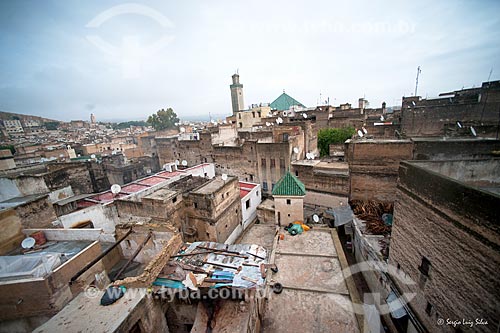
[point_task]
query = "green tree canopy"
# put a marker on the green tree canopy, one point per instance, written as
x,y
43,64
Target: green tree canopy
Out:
x,y
328,136
163,119
127,124
51,125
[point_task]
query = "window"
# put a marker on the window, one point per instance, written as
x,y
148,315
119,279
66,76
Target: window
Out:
x,y
428,309
288,201
253,114
239,115
241,125
272,186
174,200
259,114
251,177
296,173
282,166
257,193
195,205
285,137
273,163
264,186
247,204
263,162
425,266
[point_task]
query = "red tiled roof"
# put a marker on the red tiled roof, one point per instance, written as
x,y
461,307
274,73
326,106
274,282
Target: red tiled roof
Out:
x,y
151,181
133,188
170,174
243,193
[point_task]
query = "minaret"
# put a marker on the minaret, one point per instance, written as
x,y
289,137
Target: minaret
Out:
x,y
236,94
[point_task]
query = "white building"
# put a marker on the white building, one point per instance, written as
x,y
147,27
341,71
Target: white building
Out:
x,y
251,197
13,126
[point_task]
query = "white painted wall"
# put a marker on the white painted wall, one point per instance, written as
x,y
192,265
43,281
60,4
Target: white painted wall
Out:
x,y
199,171
102,217
255,197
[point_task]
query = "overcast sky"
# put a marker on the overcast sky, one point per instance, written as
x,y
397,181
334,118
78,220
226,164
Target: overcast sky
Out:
x,y
123,60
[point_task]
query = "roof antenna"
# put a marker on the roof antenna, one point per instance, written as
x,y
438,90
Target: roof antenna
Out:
x,y
416,81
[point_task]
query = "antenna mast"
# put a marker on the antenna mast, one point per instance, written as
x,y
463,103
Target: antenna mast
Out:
x,y
416,83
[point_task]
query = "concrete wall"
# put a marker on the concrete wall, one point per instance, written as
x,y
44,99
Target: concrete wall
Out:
x,y
455,227
288,213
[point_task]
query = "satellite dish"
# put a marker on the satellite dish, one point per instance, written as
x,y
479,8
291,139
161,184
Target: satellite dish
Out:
x,y
68,146
268,124
113,152
184,162
473,131
315,218
459,124
177,162
224,122
28,243
279,120
360,133
61,155
115,188
296,150
92,156
304,115
224,177
364,130
413,102
382,118
182,129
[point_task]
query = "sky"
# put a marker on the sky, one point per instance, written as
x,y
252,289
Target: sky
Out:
x,y
126,60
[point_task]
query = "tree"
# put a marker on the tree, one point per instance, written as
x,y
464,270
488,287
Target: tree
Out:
x,y
328,136
10,147
163,119
127,124
51,125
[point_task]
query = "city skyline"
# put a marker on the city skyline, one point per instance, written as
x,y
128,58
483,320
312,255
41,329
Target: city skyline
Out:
x,y
55,67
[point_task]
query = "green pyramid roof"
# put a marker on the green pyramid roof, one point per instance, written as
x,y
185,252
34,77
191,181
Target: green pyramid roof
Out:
x,y
284,102
289,185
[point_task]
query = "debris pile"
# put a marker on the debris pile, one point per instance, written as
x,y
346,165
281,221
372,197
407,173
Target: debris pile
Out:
x,y
372,213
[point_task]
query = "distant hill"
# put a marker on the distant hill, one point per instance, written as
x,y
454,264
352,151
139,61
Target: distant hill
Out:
x,y
10,115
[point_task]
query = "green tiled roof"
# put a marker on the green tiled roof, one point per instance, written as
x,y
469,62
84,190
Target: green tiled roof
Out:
x,y
284,102
289,185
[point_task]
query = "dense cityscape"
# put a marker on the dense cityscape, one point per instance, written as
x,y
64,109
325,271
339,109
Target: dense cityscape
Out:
x,y
273,216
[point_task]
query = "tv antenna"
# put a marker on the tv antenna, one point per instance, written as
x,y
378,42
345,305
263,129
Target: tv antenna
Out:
x,y
416,81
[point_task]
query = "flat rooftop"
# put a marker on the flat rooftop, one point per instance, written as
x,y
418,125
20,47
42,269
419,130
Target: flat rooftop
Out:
x,y
85,314
483,174
17,201
213,185
315,297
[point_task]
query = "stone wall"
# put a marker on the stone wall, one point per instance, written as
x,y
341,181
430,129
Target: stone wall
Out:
x,y
455,227
38,213
373,167
476,107
11,235
288,209
322,180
